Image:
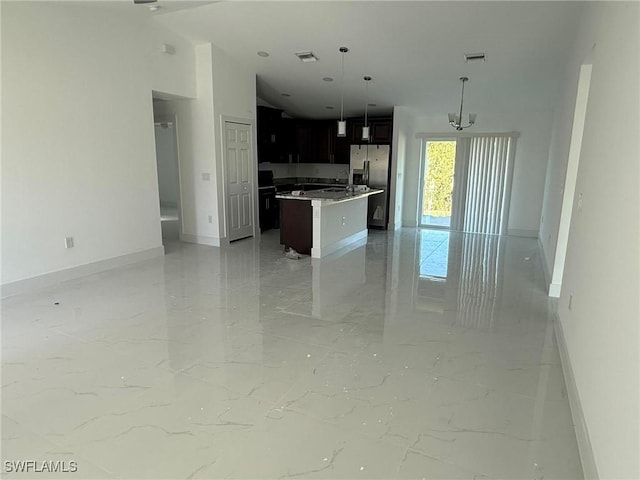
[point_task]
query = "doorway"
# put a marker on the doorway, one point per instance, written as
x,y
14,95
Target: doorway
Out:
x,y
466,182
239,166
437,185
168,178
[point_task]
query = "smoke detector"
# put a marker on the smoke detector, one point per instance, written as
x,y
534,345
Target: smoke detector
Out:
x,y
306,57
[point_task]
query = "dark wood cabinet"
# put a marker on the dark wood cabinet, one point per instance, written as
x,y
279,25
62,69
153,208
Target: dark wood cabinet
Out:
x,y
315,141
268,209
296,225
288,143
288,140
268,133
324,140
342,149
304,142
380,130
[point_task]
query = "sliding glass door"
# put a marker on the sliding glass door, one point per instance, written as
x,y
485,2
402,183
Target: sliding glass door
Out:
x,y
437,183
466,182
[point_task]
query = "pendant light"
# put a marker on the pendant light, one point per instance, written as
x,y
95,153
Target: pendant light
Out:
x,y
342,125
365,127
456,120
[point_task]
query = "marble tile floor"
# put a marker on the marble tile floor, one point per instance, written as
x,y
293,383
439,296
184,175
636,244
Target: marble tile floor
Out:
x,y
422,354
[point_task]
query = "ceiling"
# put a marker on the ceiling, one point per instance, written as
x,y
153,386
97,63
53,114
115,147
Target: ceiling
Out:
x,y
414,51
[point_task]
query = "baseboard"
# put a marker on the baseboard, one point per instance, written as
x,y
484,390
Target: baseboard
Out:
x,y
521,232
334,247
53,278
200,239
589,469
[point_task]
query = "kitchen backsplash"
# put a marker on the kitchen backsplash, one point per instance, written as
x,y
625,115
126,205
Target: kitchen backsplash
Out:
x,y
307,170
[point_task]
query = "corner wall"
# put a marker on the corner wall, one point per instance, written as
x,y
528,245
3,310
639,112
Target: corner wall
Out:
x,y
234,98
78,156
602,268
403,133
224,90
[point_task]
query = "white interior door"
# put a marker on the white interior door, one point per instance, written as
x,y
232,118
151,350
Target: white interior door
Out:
x,y
239,187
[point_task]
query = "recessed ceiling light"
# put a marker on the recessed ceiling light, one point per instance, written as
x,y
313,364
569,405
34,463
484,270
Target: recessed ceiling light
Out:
x,y
154,8
306,57
263,54
329,107
327,79
285,94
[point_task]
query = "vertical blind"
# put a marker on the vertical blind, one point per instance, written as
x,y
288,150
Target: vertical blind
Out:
x,y
480,280
486,184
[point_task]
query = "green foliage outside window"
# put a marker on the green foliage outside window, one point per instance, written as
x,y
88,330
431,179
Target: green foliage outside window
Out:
x,y
438,185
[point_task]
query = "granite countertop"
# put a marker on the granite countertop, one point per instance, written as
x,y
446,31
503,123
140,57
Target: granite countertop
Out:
x,y
329,195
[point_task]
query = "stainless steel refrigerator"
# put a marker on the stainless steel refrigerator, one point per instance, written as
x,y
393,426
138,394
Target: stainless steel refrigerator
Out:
x,y
378,177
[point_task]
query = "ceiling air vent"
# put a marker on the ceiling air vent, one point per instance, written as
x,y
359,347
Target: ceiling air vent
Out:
x,y
306,57
474,57
142,2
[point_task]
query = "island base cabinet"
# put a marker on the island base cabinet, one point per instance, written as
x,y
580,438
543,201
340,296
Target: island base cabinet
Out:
x,y
296,225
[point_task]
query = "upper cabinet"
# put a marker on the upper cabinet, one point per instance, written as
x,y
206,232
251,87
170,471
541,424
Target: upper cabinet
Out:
x,y
269,130
380,130
287,140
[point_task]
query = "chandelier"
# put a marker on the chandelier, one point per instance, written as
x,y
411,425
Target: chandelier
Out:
x,y
456,120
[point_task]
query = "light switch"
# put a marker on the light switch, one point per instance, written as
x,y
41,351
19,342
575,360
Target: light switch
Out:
x,y
206,176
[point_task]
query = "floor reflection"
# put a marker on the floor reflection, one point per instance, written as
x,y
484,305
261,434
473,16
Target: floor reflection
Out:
x,y
459,276
422,354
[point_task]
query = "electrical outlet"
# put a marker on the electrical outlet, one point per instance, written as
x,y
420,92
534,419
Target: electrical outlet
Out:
x,y
206,176
344,220
579,201
68,242
210,219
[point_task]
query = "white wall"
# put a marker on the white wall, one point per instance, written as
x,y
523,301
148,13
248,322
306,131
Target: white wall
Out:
x,y
234,96
196,155
403,133
78,152
224,90
529,172
601,273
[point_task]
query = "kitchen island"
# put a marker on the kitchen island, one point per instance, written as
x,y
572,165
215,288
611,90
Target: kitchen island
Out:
x,y
321,222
